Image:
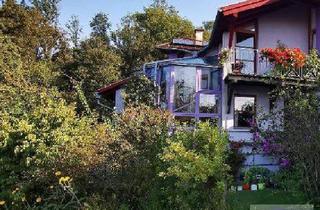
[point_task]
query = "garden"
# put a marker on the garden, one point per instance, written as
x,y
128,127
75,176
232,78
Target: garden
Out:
x,y
59,149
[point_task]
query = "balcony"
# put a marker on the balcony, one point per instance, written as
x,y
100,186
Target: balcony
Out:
x,y
249,63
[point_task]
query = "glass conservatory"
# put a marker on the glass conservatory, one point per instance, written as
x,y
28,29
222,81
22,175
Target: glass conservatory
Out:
x,y
190,88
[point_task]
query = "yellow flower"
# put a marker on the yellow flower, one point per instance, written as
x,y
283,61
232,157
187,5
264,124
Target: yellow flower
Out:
x,y
39,199
2,203
64,180
58,173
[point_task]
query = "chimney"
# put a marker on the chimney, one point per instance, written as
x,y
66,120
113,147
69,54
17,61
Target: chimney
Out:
x,y
199,36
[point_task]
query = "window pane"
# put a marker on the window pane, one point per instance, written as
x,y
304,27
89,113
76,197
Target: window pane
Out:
x,y
245,40
185,89
247,67
164,77
209,79
204,81
151,73
245,54
244,111
208,103
214,82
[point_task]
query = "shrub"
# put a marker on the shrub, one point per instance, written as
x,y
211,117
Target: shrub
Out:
x,y
130,171
40,135
195,162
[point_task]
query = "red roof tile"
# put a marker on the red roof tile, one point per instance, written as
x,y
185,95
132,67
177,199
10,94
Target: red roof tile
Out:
x,y
234,9
113,86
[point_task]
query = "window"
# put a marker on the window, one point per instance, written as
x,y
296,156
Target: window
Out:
x,y
209,79
245,50
208,103
184,89
150,72
244,111
164,77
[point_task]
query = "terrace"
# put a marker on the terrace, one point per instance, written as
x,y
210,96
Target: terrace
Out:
x,y
253,64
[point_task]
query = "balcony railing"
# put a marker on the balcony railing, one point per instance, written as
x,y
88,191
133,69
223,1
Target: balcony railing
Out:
x,y
247,61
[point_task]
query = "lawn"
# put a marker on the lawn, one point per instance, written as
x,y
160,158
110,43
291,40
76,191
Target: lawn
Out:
x,y
243,200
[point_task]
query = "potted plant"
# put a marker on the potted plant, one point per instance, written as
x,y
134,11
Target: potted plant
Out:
x,y
254,186
237,67
233,188
246,183
258,176
261,186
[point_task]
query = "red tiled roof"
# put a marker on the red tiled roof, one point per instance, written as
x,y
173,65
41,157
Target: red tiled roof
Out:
x,y
234,9
113,86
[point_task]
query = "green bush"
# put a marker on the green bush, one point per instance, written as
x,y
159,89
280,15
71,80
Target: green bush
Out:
x,y
195,163
258,174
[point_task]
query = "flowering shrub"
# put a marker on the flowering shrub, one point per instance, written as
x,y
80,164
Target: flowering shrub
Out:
x,y
286,58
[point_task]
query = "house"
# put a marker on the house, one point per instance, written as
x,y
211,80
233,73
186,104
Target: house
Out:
x,y
199,88
177,48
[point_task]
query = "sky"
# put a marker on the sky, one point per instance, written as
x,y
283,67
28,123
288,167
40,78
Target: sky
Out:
x,y
196,11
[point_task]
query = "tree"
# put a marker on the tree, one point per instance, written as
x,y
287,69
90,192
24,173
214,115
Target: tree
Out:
x,y
100,26
94,64
48,8
74,30
23,3
29,30
40,133
140,33
208,27
160,3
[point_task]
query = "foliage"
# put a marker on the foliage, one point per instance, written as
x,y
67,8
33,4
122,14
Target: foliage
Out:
x,y
313,64
208,27
94,64
48,8
235,158
140,90
74,30
258,175
40,134
101,26
141,32
196,160
288,179
294,137
131,169
29,30
224,55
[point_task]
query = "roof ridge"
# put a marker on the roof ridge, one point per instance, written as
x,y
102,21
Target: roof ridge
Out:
x,y
240,4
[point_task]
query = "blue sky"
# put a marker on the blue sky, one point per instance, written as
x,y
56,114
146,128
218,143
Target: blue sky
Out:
x,y
196,11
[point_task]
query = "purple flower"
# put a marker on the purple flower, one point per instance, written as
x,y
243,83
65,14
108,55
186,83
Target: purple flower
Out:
x,y
256,136
266,146
284,162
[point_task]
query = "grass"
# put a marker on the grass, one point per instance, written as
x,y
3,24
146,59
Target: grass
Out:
x,y
242,200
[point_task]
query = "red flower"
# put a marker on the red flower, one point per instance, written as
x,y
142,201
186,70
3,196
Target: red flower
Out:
x,y
285,57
